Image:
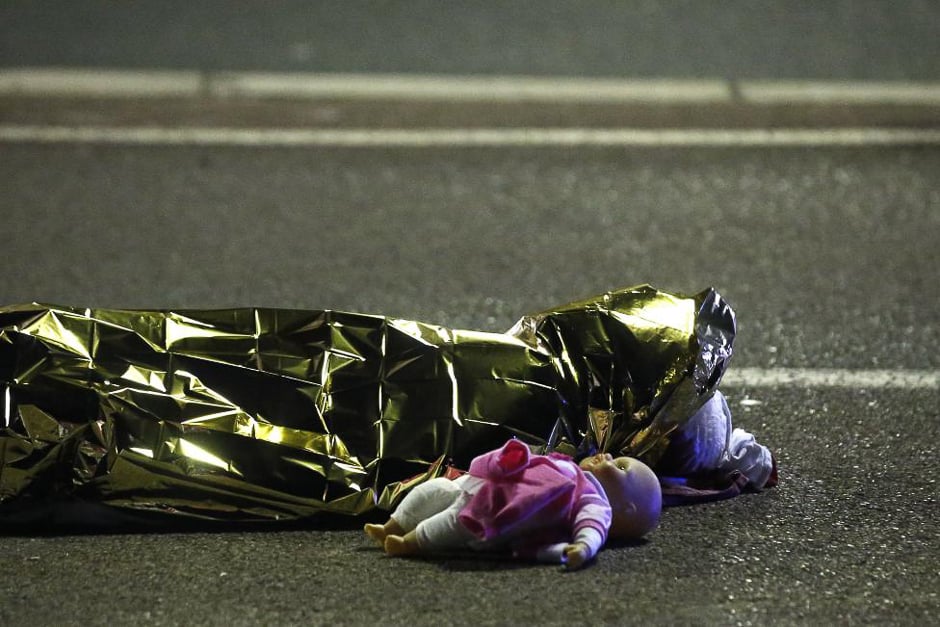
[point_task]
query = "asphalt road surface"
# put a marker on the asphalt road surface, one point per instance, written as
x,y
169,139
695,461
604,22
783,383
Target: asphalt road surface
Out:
x,y
827,251
861,39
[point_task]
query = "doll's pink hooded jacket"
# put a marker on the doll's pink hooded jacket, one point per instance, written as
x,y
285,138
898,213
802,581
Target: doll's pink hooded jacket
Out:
x,y
535,500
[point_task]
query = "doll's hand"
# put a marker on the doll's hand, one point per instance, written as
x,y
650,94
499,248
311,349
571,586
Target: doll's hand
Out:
x,y
574,556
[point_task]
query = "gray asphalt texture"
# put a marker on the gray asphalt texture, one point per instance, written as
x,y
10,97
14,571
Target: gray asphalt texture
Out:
x,y
861,39
829,257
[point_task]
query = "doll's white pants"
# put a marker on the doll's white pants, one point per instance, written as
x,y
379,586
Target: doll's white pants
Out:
x,y
430,510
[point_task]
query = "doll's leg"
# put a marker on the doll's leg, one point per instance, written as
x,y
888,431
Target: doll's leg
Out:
x,y
439,532
422,502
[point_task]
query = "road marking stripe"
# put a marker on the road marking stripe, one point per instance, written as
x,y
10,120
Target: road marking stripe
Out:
x,y
505,137
468,88
839,93
832,378
105,82
52,82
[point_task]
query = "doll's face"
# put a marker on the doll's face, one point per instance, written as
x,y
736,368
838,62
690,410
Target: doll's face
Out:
x,y
633,491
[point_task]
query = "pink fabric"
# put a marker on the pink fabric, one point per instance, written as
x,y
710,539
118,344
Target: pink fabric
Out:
x,y
522,488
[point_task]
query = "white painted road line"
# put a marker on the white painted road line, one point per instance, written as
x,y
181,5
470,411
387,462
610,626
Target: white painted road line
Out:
x,y
488,137
832,378
114,83
468,88
839,93
102,83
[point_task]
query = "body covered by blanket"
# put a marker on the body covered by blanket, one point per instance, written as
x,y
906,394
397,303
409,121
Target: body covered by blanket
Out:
x,y
271,414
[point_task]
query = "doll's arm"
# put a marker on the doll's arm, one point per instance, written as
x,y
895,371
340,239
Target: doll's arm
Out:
x,y
589,521
576,555
571,555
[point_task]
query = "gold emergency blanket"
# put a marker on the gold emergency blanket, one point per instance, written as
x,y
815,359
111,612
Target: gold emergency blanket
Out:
x,y
274,414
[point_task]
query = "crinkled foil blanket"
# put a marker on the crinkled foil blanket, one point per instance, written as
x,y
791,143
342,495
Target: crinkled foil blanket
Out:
x,y
275,414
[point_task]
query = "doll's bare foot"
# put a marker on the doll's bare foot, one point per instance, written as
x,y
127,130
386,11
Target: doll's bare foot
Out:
x,y
376,533
398,546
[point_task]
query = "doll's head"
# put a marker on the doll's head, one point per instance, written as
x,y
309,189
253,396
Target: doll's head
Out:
x,y
633,491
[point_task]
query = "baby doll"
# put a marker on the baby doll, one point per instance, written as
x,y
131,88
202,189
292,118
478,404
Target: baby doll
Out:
x,y
545,507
